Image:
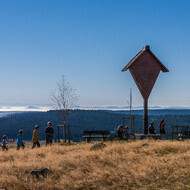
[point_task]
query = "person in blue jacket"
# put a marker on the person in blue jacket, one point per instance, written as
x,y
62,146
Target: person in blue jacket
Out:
x,y
20,142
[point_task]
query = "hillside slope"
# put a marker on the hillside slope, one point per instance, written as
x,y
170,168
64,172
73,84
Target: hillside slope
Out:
x,y
122,165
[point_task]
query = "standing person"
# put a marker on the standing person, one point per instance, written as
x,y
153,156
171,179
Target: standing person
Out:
x,y
35,138
20,142
4,143
151,128
49,133
162,128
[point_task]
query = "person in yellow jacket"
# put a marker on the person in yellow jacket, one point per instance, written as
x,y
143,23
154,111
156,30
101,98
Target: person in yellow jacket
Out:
x,y
35,138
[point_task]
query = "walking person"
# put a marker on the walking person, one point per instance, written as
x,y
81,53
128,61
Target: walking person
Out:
x,y
162,128
4,143
49,133
20,142
35,138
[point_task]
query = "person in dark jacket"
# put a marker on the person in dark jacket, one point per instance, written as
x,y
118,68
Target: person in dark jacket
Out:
x,y
162,128
120,129
151,128
49,133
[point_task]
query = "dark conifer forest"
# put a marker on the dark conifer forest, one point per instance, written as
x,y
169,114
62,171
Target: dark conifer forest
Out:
x,y
80,120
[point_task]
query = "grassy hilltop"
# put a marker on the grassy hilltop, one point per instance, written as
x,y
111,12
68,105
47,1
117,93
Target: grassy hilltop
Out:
x,y
122,165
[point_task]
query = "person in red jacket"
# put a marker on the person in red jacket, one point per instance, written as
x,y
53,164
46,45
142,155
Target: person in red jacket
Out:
x,y
162,128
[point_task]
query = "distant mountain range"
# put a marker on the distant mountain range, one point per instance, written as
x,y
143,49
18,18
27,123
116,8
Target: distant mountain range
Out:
x,y
38,107
133,108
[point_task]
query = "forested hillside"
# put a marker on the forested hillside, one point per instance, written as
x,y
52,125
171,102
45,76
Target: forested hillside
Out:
x,y
79,120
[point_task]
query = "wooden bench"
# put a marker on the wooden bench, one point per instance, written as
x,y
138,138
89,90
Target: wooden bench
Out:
x,y
184,135
149,136
88,135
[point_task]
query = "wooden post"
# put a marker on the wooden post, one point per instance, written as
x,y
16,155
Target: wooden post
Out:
x,y
124,121
64,133
172,133
89,137
131,126
132,123
58,138
145,117
69,135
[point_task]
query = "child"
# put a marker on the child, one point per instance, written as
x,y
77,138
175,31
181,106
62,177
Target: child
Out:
x,y
4,143
20,142
35,138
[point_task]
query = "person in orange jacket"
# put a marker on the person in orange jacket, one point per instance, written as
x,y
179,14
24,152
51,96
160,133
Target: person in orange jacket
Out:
x,y
35,138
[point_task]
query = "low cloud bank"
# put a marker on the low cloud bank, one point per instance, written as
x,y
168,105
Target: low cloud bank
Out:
x,y
24,108
20,108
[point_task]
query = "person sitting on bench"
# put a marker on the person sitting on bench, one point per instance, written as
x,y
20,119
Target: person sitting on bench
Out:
x,y
120,129
151,129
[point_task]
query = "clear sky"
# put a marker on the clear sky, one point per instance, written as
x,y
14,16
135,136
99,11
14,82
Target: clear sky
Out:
x,y
90,41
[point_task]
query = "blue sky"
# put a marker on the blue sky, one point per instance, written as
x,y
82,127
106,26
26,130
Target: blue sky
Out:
x,y
90,41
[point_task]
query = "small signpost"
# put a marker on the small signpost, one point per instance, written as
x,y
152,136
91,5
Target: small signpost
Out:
x,y
64,133
145,68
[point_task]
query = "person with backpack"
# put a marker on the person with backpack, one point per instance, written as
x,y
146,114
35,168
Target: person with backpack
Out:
x,y
20,142
35,138
162,128
49,133
4,143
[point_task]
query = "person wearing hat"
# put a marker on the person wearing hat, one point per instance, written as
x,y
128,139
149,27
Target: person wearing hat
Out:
x,y
35,138
151,128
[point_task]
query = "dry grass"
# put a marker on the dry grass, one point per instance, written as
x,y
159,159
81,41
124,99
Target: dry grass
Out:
x,y
122,165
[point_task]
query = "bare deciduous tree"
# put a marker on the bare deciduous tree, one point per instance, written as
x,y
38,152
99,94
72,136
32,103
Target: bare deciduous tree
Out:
x,y
64,96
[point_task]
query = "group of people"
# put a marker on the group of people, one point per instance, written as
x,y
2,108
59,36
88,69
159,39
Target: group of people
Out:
x,y
161,125
35,139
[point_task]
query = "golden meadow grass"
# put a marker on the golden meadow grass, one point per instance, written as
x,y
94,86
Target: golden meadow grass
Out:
x,y
122,165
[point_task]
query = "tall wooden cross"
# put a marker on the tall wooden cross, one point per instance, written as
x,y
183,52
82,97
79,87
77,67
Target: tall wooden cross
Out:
x,y
145,68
